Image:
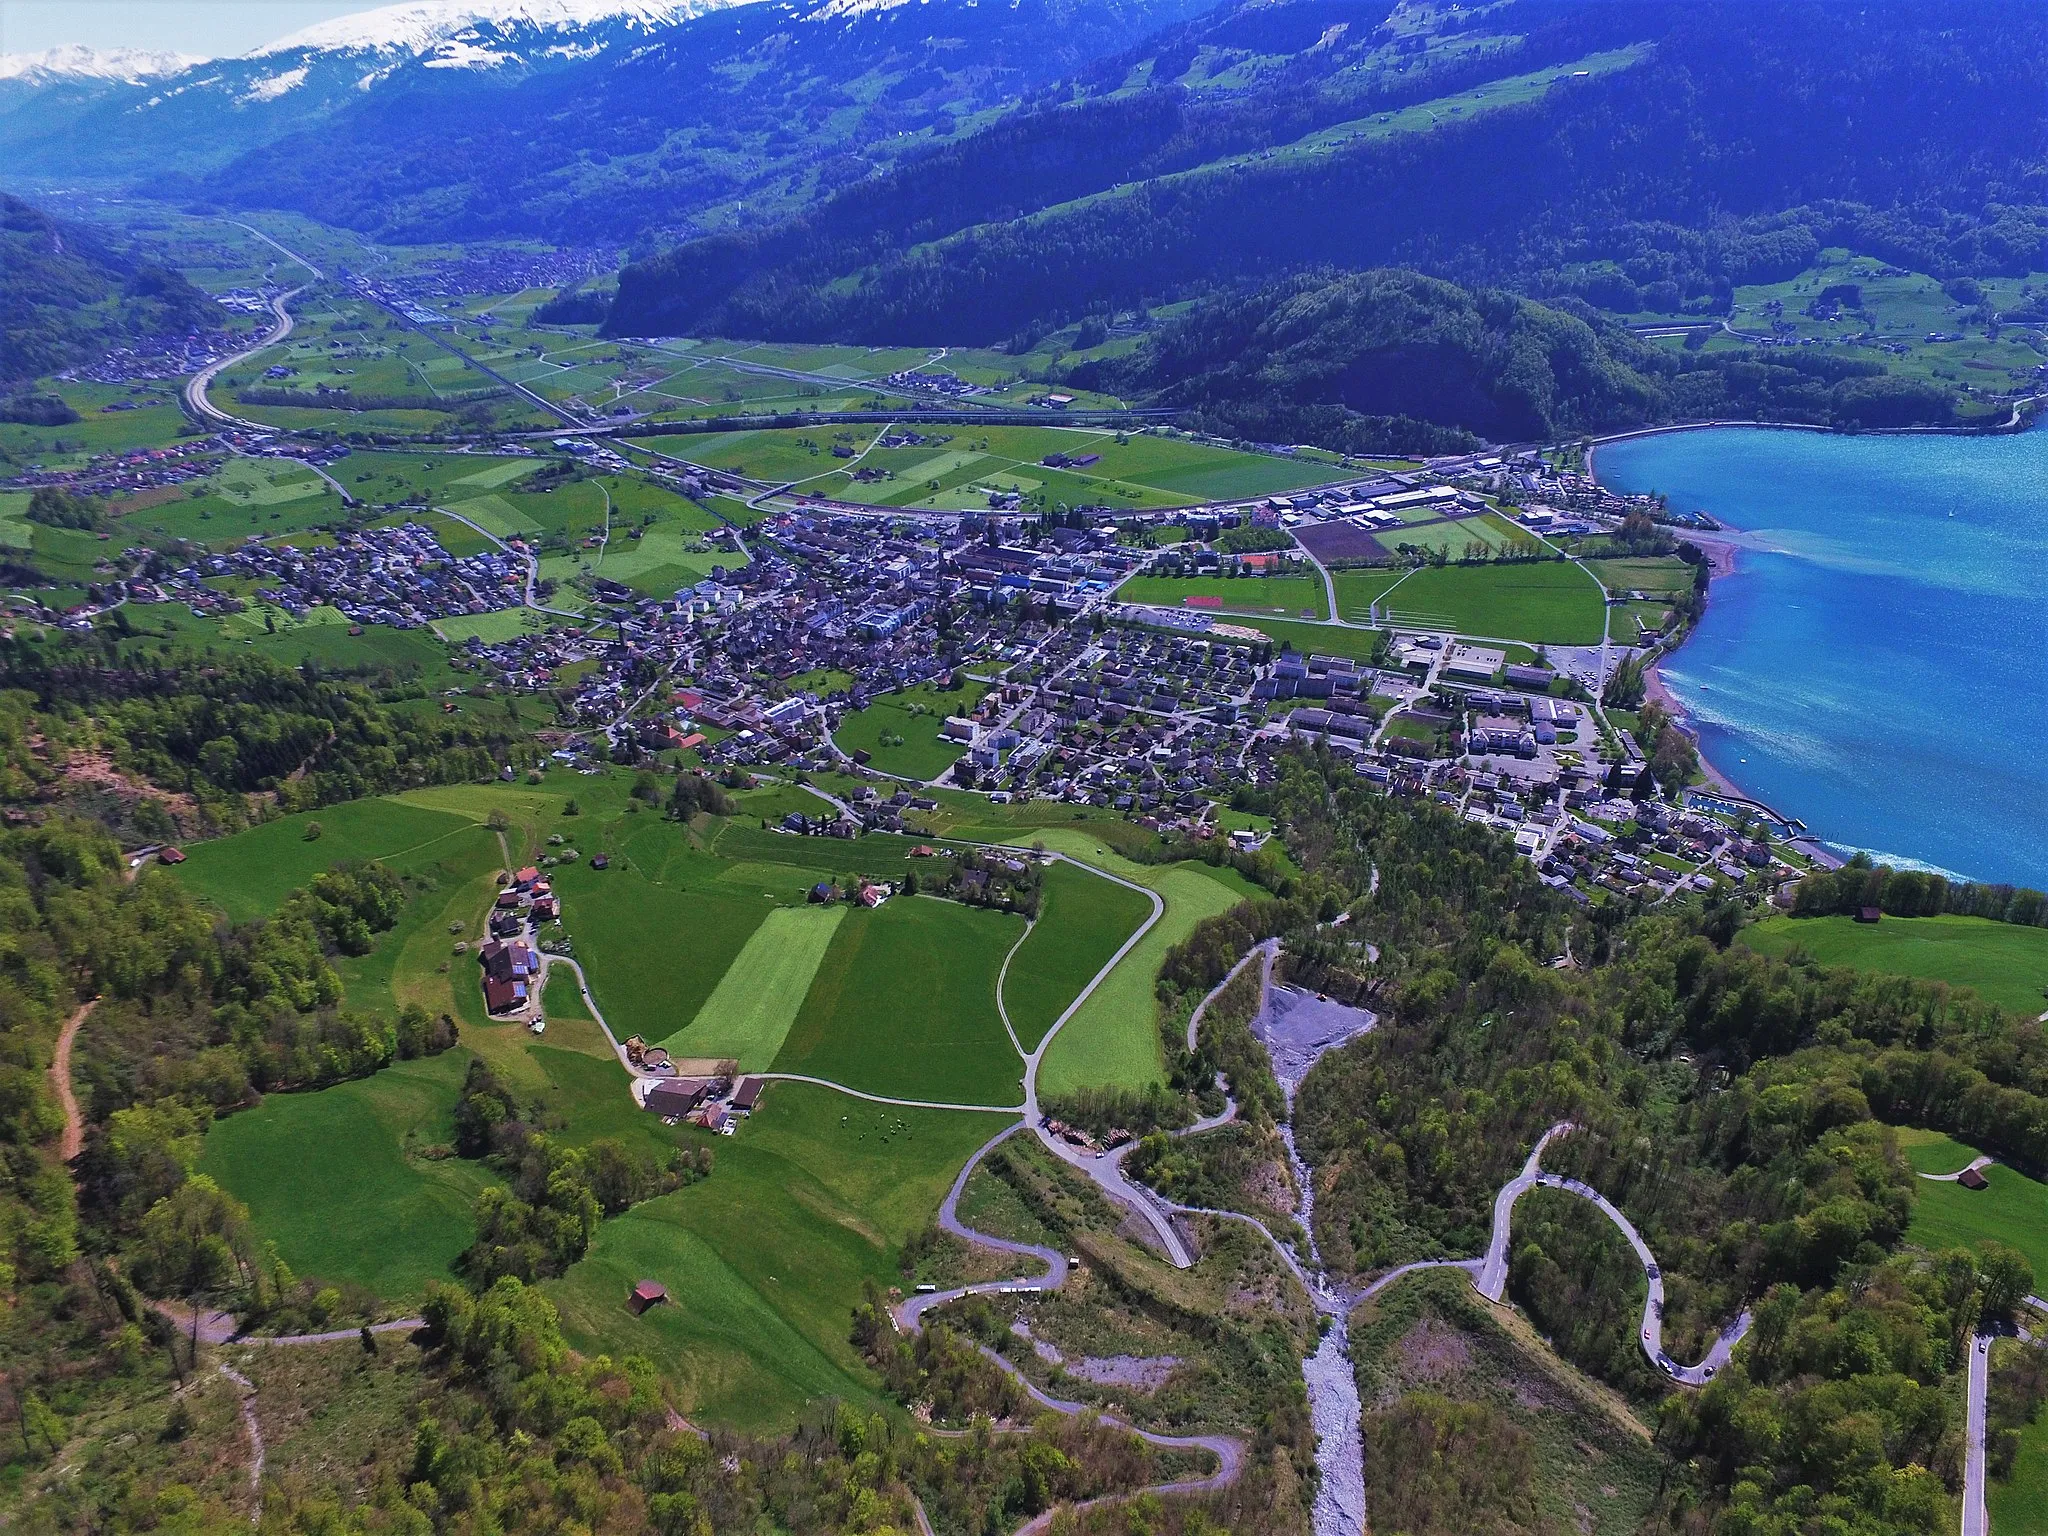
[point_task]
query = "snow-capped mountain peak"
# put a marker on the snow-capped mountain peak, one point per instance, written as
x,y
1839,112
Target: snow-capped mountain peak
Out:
x,y
77,61
421,27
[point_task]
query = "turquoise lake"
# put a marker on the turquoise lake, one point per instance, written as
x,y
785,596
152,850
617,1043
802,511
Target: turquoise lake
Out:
x,y
1876,664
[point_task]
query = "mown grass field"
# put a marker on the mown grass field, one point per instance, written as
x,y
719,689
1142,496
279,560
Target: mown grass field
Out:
x,y
765,1259
1317,639
916,716
904,1004
1082,920
750,1011
1113,1040
335,1180
2005,963
1291,596
1548,602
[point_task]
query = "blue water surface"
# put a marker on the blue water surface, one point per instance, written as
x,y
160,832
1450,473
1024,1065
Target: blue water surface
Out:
x,y
1876,664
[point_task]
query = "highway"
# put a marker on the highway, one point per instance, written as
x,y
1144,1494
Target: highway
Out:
x,y
196,403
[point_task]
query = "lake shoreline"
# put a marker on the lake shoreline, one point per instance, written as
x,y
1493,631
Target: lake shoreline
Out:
x,y
1877,618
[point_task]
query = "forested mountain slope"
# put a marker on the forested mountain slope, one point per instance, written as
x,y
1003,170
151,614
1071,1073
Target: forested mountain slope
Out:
x,y
1387,359
1701,146
64,295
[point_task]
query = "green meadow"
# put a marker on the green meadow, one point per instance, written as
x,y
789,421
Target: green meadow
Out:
x,y
2012,1210
765,1259
750,1012
338,1179
247,875
1113,1040
904,1004
900,731
1549,602
1082,921
2005,963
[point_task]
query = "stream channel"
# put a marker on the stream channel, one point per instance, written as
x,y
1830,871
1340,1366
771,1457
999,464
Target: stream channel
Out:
x,y
1296,1028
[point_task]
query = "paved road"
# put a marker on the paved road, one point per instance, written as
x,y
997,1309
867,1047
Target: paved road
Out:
x,y
72,1141
203,409
532,566
1975,1521
909,1316
1492,1278
1950,1178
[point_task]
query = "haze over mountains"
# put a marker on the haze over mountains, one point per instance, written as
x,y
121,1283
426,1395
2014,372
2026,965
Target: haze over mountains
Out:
x,y
882,171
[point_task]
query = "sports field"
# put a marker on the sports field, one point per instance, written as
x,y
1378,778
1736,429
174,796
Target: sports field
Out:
x,y
765,1259
1082,920
1291,596
1113,1040
1549,602
380,1215
2005,963
904,1004
900,731
754,1004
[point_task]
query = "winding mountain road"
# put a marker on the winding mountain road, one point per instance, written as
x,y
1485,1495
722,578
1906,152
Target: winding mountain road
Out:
x,y
1492,1278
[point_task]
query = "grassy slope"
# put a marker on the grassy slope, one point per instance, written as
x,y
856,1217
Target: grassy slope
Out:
x,y
374,1215
904,1005
2007,965
765,1259
1082,919
756,1001
1114,1038
2013,1211
247,875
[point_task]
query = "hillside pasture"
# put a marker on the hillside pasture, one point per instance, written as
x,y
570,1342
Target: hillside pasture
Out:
x,y
2004,963
750,1011
904,1004
1082,921
382,1216
766,1258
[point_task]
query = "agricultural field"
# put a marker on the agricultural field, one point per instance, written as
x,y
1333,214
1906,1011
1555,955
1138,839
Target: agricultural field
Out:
x,y
1901,308
385,1217
1290,596
155,420
1358,591
1083,920
900,731
750,1011
2012,1210
1549,602
956,468
1113,1040
816,1195
1484,537
247,875
2005,963
904,1004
